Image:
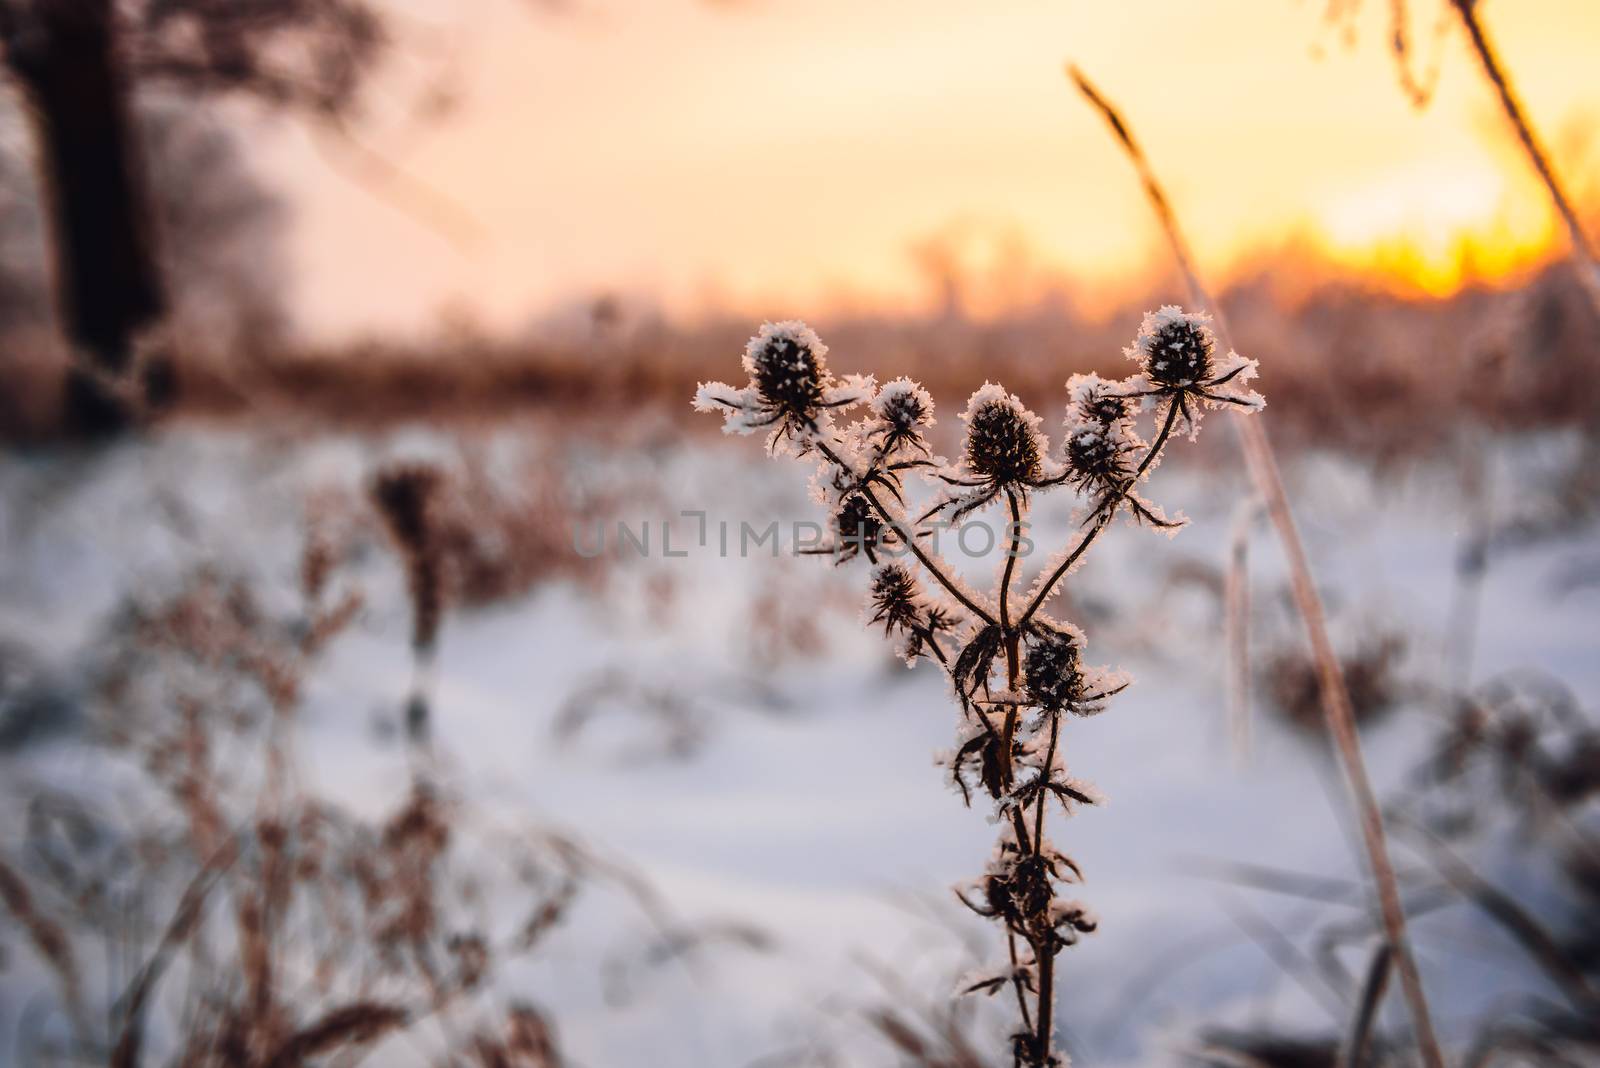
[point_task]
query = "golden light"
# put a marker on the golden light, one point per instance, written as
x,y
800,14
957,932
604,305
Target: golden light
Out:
x,y
1434,229
785,158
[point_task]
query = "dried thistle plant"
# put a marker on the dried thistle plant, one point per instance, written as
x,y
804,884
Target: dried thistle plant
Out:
x,y
406,497
222,912
1014,672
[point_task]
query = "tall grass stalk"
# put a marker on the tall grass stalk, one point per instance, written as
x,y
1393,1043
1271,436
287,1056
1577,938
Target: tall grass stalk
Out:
x,y
1582,248
1336,705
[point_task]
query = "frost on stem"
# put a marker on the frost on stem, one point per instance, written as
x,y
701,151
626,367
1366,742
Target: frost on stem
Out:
x,y
1008,741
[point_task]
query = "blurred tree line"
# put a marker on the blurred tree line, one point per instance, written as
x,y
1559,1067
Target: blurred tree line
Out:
x,y
126,201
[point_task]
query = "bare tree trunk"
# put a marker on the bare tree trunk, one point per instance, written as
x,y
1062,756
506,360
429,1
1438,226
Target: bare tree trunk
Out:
x,y
64,55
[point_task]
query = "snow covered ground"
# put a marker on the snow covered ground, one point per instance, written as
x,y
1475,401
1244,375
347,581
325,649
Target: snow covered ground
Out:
x,y
811,807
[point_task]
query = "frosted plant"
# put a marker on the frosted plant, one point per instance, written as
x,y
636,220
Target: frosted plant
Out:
x,y
1015,673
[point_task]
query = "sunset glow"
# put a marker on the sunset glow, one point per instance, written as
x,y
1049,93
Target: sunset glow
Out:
x,y
773,156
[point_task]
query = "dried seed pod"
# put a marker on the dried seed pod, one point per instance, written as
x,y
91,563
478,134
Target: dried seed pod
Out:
x,y
858,529
1002,445
1053,673
1175,348
787,363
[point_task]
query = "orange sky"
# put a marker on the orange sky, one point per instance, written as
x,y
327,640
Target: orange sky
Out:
x,y
776,155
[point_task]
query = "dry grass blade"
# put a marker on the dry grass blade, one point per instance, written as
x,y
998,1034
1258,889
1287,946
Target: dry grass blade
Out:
x,y
1236,602
358,1023
1357,1041
1307,887
1540,945
1285,955
187,915
1335,695
1582,248
48,939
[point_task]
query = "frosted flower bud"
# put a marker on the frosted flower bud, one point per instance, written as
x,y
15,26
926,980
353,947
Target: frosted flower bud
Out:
x,y
1093,456
1174,347
894,597
1100,436
1020,890
1053,673
1096,401
1002,445
904,406
787,363
858,527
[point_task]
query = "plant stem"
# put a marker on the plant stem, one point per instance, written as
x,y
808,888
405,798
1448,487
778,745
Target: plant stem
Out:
x,y
1011,559
1011,634
1336,705
923,557
1042,952
1047,997
1582,249
1044,591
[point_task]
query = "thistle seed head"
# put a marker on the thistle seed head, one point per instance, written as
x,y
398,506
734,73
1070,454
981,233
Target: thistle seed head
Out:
x,y
787,363
1094,456
403,494
1002,446
904,406
858,527
1097,402
1053,672
894,597
1175,348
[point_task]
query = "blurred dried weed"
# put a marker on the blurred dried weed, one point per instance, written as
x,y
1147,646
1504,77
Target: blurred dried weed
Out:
x,y
238,917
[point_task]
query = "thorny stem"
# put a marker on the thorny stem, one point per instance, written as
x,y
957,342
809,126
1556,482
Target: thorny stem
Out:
x,y
1039,1024
1013,537
1049,759
1010,634
1335,694
1046,960
1016,982
1105,518
922,556
1047,996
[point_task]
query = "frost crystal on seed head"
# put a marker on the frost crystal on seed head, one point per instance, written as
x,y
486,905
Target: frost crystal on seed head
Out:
x,y
790,391
1053,672
904,405
1174,347
1101,439
1092,401
1176,354
1003,440
858,529
893,431
1228,387
787,361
